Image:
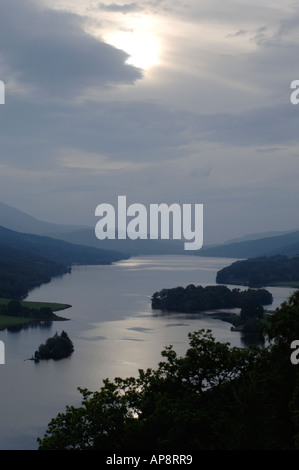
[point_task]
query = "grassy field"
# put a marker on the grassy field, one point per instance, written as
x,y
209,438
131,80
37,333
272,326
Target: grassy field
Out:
x,y
55,307
7,320
285,284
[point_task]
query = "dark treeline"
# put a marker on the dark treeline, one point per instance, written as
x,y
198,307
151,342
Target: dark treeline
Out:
x,y
21,271
193,298
27,261
263,271
57,347
14,308
56,250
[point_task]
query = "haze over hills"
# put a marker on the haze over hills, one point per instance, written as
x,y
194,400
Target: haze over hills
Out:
x,y
22,270
29,260
257,236
17,220
268,244
248,246
57,250
133,247
285,244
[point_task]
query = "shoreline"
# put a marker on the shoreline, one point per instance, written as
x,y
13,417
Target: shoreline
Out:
x,y
15,321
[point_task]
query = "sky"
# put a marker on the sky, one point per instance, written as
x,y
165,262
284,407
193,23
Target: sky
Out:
x,y
163,101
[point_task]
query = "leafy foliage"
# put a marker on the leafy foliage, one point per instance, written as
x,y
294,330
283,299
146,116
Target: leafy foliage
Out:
x,y
57,347
215,397
198,298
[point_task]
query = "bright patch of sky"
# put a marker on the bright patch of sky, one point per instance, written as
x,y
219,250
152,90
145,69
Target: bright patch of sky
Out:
x,y
160,100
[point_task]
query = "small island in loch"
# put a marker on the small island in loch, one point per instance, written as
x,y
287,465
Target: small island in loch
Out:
x,y
57,347
198,299
195,299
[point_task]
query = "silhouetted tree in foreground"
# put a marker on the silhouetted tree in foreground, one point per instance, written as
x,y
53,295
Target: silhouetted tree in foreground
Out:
x,y
215,397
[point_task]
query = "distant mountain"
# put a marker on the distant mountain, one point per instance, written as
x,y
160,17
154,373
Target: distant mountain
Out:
x,y
257,236
57,250
286,244
132,247
252,245
19,221
29,260
21,271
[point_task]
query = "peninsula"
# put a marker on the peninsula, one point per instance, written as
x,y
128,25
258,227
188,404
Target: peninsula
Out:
x,y
15,313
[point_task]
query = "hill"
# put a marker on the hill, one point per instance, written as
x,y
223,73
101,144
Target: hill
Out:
x,y
258,235
263,271
27,260
137,247
58,250
285,244
14,219
17,220
252,245
21,271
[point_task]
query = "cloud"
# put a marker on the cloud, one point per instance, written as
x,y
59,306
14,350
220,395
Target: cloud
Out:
x,y
262,126
115,135
116,8
49,52
240,32
212,124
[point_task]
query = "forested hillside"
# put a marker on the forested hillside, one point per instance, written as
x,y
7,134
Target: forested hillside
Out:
x,y
263,271
22,270
58,250
286,244
27,261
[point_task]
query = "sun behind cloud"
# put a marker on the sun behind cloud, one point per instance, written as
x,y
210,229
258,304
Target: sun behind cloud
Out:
x,y
139,40
141,46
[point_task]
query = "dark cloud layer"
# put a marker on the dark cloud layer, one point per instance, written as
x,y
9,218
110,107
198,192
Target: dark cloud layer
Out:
x,y
70,128
49,51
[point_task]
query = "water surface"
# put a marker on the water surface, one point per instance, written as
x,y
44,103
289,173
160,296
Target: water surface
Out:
x,y
114,332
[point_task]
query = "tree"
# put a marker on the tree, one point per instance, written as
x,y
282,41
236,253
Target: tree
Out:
x,y
14,307
251,310
56,347
158,409
283,326
215,397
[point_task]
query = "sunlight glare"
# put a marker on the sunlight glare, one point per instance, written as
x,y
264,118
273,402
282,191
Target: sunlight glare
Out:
x,y
139,43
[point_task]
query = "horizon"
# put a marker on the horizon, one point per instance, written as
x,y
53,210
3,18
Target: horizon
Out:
x,y
75,227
